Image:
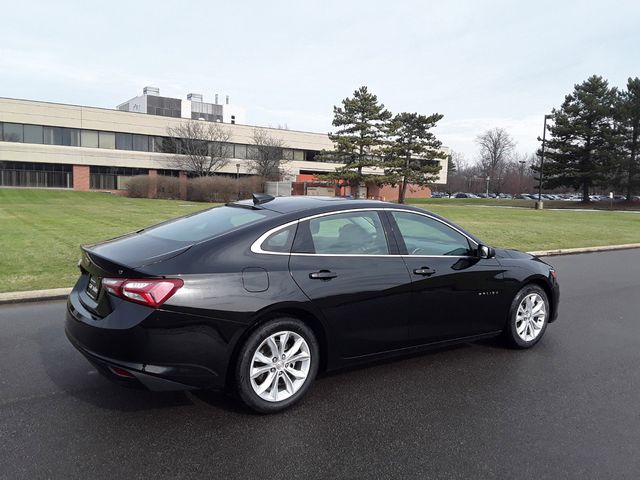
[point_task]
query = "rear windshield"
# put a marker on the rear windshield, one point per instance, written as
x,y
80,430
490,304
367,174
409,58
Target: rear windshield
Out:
x,y
207,224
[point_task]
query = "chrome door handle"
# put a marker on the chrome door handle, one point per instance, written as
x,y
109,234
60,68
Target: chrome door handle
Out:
x,y
323,275
425,271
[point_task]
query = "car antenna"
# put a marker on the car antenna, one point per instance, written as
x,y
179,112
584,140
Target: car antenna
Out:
x,y
260,198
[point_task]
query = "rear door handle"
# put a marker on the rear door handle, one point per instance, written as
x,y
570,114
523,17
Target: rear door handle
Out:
x,y
323,275
425,271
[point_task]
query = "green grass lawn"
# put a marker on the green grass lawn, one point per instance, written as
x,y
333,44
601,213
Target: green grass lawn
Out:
x,y
41,230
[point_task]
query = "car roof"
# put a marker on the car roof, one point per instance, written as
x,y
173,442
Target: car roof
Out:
x,y
298,203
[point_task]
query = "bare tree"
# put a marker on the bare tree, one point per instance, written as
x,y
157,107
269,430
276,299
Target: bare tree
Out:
x,y
201,148
458,160
266,155
496,148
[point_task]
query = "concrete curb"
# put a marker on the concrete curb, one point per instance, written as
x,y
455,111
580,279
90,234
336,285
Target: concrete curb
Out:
x,y
573,251
63,293
35,295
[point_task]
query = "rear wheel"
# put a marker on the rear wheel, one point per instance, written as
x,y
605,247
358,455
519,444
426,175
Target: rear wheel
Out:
x,y
277,365
528,317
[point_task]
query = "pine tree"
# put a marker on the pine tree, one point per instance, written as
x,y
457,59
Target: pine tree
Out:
x,y
628,116
580,152
451,165
412,151
361,124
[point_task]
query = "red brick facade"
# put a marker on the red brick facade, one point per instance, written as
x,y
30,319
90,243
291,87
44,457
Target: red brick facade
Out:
x,y
386,192
389,193
153,183
81,178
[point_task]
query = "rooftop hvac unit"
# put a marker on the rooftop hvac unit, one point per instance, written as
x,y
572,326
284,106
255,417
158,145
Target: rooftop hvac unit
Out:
x,y
151,91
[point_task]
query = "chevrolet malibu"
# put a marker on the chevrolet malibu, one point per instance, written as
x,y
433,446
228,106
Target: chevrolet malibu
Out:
x,y
259,296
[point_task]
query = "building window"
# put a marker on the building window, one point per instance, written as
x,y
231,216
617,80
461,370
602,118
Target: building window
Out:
x,y
141,143
168,173
69,137
124,141
107,140
112,178
39,175
13,132
240,151
89,138
287,154
33,134
298,155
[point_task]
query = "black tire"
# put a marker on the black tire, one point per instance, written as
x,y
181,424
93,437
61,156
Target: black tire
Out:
x,y
243,365
510,333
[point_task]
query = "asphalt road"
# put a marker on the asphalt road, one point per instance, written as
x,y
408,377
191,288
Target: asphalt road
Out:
x,y
569,408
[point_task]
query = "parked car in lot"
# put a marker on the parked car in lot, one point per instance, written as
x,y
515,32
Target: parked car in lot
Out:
x,y
465,195
258,296
439,195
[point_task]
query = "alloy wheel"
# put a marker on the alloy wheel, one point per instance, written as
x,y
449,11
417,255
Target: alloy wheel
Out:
x,y
280,366
531,317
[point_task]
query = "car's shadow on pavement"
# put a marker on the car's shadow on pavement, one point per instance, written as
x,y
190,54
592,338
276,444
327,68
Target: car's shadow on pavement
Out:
x,y
79,379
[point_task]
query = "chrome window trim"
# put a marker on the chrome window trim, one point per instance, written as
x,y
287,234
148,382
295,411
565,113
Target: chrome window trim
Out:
x,y
256,246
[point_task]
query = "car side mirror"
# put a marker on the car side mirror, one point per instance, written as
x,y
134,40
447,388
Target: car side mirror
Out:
x,y
486,252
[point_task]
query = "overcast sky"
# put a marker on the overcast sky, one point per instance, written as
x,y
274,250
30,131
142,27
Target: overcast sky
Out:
x,y
480,63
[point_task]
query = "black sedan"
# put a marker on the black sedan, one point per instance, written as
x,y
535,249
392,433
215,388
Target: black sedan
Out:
x,y
258,296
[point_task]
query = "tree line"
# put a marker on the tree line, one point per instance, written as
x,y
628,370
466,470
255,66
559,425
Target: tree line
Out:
x,y
368,136
594,139
401,148
591,143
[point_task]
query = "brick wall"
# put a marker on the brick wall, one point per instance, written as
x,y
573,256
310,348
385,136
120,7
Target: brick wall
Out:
x,y
389,193
153,183
81,178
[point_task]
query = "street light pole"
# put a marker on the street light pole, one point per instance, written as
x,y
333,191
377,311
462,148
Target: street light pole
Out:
x,y
544,136
521,162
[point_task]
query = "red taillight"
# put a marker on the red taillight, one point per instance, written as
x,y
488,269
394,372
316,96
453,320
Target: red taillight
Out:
x,y
121,372
152,292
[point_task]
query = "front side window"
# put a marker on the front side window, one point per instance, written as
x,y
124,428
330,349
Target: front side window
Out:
x,y
355,233
427,236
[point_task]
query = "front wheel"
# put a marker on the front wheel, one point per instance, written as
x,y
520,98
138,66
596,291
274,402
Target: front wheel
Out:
x,y
277,365
528,317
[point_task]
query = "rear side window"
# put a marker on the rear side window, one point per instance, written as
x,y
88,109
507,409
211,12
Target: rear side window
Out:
x,y
207,224
354,233
280,241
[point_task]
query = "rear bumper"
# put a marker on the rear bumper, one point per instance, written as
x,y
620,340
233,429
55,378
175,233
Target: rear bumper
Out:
x,y
164,351
139,377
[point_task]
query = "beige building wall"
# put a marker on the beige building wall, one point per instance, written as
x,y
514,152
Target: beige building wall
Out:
x,y
73,116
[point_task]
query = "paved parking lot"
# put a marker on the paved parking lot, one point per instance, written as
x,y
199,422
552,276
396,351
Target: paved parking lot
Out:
x,y
569,408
